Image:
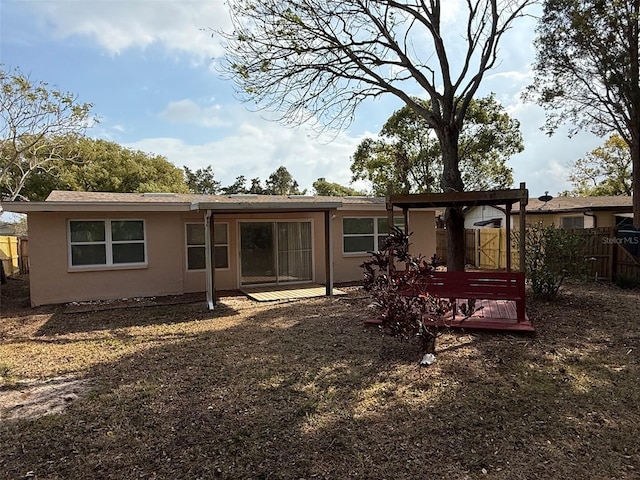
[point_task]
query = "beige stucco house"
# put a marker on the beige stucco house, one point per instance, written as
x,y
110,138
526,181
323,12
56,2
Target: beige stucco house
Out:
x,y
96,246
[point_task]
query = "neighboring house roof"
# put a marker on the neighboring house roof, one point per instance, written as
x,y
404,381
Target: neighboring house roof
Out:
x,y
578,204
104,201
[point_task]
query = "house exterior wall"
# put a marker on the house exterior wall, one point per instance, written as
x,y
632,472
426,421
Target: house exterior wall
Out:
x,y
229,279
346,266
53,281
605,219
555,219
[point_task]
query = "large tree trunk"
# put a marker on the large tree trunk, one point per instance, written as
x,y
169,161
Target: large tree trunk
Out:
x,y
452,182
635,189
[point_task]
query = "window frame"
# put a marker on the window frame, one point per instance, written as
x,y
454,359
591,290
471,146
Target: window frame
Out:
x,y
572,218
109,243
377,235
187,247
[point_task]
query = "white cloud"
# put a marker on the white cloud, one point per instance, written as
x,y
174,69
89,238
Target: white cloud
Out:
x,y
451,10
178,26
188,111
257,147
517,77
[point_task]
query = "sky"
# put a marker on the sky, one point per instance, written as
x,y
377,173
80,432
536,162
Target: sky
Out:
x,y
149,69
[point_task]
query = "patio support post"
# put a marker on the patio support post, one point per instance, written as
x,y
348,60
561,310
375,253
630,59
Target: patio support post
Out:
x,y
507,224
328,253
389,206
405,217
391,266
523,224
210,270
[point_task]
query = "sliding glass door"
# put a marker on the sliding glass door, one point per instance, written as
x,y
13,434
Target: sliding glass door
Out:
x,y
275,252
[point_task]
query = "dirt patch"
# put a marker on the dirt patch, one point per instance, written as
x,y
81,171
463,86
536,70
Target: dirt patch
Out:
x,y
37,398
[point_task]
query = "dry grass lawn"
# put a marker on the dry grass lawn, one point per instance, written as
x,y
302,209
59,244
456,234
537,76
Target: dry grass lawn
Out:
x,y
302,390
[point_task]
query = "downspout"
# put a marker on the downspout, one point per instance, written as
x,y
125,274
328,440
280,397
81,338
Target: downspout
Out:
x,y
207,259
592,215
328,253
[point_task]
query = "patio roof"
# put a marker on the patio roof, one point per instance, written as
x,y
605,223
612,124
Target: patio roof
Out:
x,y
460,199
468,199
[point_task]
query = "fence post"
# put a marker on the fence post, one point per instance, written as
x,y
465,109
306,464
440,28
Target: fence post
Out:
x,y
614,254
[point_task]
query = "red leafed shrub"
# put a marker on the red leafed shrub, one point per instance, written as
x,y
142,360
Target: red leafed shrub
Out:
x,y
405,309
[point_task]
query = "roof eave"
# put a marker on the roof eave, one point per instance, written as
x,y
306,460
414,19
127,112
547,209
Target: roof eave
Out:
x,y
603,208
268,206
365,206
28,207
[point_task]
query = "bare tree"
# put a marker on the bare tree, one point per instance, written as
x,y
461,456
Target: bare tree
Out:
x,y
320,59
35,125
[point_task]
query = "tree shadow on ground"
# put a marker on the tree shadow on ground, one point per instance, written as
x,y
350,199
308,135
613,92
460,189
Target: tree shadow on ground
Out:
x,y
63,323
286,393
15,297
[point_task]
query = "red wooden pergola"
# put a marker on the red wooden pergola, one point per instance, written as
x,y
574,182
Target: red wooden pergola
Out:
x,y
501,294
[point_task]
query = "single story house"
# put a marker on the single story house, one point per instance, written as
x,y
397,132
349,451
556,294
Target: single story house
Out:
x,y
563,212
97,246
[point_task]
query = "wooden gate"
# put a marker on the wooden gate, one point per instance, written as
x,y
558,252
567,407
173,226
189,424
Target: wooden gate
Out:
x,y
9,254
489,249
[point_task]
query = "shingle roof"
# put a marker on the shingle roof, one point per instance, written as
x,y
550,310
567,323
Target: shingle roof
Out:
x,y
563,204
557,204
68,196
60,200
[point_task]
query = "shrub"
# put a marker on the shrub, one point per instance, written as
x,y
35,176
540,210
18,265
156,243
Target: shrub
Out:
x,y
405,309
552,255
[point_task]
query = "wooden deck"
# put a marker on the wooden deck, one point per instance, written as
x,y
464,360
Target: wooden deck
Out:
x,y
494,315
276,293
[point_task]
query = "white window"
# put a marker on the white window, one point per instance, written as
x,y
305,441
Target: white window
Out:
x,y
573,222
196,249
106,243
364,234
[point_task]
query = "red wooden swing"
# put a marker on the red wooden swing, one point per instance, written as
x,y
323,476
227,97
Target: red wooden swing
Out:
x,y
499,296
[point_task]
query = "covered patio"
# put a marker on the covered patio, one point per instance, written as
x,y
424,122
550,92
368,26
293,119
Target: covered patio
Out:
x,y
253,204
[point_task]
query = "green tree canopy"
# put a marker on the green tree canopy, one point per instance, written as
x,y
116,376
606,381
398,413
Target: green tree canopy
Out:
x,y
407,155
201,181
331,189
256,187
587,70
605,170
36,122
237,187
103,166
281,182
